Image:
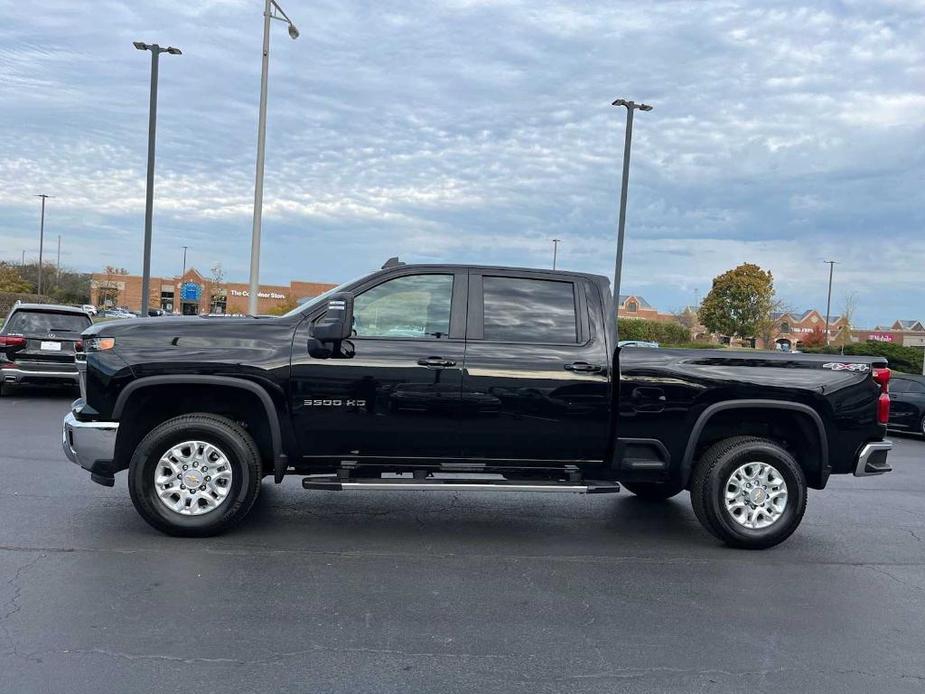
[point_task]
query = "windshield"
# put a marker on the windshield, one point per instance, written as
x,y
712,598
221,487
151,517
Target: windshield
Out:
x,y
44,322
315,300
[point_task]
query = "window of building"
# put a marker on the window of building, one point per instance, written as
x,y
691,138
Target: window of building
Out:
x,y
785,327
632,307
529,310
167,301
409,306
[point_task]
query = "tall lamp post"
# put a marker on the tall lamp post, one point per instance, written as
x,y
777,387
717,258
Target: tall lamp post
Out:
x,y
828,303
631,106
555,252
184,262
272,10
149,191
41,237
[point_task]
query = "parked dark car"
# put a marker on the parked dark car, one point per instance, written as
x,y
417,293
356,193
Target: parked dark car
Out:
x,y
37,344
907,393
461,378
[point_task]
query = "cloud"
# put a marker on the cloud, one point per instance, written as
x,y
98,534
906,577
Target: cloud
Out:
x,y
476,132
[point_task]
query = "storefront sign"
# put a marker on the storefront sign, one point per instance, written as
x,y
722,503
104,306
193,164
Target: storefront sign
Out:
x,y
880,337
260,295
190,291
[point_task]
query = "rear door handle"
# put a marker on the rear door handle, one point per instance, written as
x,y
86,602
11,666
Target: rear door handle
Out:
x,y
583,367
438,362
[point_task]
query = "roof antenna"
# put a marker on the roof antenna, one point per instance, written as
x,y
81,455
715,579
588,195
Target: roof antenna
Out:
x,y
392,262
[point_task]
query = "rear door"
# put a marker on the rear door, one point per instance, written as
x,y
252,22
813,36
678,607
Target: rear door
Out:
x,y
49,336
535,386
395,392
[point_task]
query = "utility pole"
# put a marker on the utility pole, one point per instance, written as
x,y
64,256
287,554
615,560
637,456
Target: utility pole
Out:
x,y
58,262
41,236
631,106
271,11
184,262
22,261
828,303
156,51
555,252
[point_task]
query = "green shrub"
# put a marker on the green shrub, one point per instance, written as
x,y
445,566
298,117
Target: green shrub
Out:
x,y
906,359
7,299
692,345
652,330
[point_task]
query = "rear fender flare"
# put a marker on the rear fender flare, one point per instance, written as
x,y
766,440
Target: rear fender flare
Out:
x,y
687,462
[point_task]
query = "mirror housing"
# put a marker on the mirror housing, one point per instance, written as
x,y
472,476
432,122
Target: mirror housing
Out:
x,y
337,323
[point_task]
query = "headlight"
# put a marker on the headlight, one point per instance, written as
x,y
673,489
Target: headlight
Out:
x,y
99,344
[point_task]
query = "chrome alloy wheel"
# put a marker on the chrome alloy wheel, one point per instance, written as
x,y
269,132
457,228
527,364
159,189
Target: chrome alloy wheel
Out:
x,y
756,495
193,478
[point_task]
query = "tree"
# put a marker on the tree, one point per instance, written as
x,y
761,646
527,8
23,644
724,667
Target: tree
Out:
x,y
108,290
815,339
849,308
767,326
739,301
285,307
12,281
216,289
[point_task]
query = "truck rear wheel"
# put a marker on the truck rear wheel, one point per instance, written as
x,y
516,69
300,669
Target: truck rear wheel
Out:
x,y
748,492
194,476
654,491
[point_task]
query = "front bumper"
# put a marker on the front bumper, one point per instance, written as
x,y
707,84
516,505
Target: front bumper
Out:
x,y
872,459
91,445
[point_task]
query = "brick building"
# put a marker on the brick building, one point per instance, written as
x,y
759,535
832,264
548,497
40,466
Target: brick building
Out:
x,y
791,328
634,306
192,293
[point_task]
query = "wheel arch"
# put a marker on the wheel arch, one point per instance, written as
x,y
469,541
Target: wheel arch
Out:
x,y
269,441
809,433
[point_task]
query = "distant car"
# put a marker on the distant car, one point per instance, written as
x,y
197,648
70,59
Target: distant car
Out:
x,y
907,403
38,343
116,313
637,343
155,312
89,308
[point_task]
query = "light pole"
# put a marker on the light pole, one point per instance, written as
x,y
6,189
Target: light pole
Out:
x,y
156,51
41,236
58,262
555,252
828,303
184,263
272,10
618,268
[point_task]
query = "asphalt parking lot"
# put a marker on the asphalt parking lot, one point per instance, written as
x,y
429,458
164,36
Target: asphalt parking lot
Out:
x,y
417,592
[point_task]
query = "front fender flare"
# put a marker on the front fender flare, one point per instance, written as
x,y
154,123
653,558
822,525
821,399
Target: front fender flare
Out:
x,y
279,460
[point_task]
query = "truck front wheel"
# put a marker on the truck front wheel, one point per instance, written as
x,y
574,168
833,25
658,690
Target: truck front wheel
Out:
x,y
194,476
748,492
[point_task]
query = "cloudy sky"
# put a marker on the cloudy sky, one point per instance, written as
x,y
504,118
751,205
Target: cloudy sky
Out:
x,y
476,131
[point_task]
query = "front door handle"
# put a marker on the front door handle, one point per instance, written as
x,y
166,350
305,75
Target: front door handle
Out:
x,y
438,362
583,367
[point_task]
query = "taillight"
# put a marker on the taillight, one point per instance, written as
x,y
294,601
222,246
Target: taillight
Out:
x,y
12,341
79,346
882,378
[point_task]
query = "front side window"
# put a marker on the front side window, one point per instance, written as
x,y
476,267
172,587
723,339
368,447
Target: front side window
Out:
x,y
409,306
529,310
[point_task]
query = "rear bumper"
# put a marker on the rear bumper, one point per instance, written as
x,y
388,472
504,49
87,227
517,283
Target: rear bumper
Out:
x,y
25,375
91,445
872,459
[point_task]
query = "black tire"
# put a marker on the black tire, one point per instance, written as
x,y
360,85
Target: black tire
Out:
x,y
243,457
654,491
708,487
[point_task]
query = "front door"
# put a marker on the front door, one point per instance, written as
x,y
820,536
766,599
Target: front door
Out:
x,y
536,384
394,390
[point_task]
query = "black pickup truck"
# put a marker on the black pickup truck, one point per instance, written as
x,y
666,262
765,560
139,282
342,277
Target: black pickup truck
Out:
x,y
443,377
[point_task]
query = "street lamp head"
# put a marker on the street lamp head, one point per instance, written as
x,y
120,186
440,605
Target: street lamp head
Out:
x,y
293,32
644,107
619,102
174,51
140,45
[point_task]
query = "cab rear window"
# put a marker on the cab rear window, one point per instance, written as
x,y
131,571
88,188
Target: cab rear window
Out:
x,y
44,322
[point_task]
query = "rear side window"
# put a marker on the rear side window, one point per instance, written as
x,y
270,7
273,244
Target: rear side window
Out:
x,y
529,310
915,387
44,322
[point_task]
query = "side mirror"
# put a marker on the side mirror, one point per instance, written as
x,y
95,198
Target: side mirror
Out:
x,y
337,323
